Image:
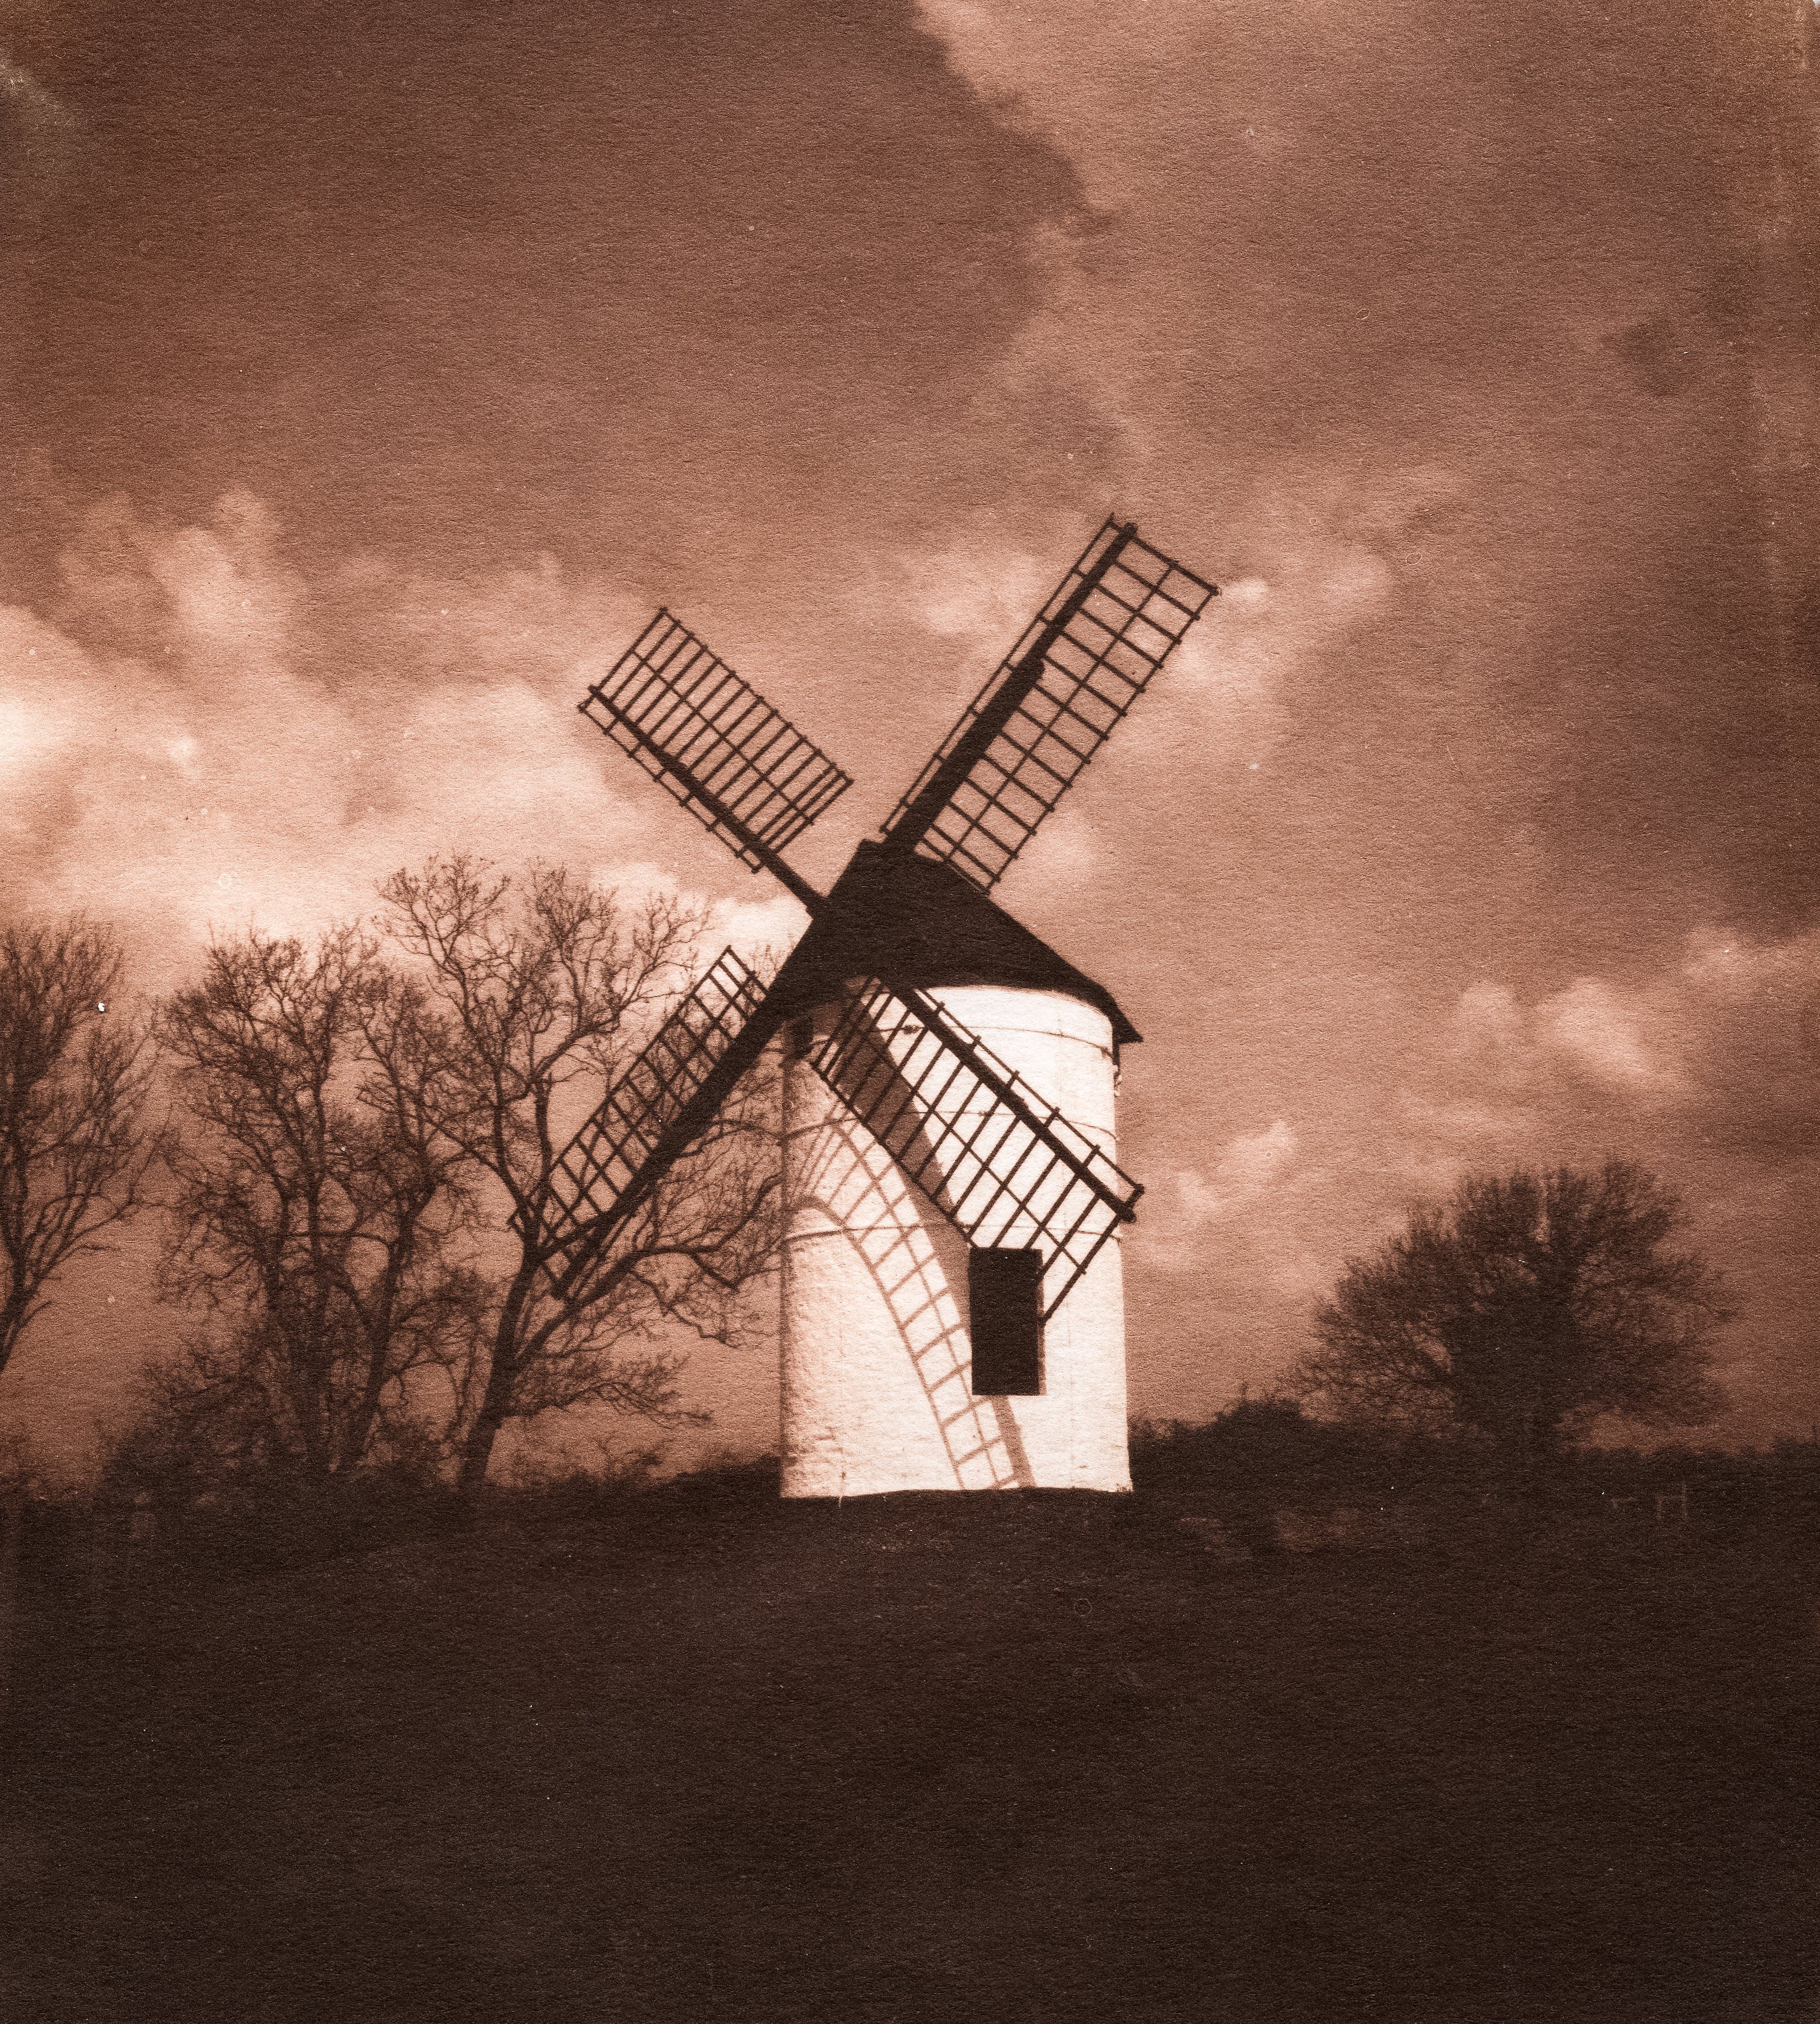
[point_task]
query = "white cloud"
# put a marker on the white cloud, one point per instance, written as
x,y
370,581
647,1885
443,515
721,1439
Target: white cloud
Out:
x,y
983,593
39,713
204,739
1080,75
759,928
1617,1039
1724,1027
1486,1020
1251,1222
1248,1166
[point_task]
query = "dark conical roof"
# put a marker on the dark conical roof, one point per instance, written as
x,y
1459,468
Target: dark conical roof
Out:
x,y
897,916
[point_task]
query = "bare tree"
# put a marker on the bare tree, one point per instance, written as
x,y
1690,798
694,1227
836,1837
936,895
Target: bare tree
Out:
x,y
314,1211
75,1074
1524,1308
536,994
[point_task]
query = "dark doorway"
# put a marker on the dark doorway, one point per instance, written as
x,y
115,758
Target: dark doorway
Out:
x,y
1004,1293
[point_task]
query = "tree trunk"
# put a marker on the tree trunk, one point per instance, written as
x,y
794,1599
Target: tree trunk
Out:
x,y
12,1317
476,1453
496,1402
364,1416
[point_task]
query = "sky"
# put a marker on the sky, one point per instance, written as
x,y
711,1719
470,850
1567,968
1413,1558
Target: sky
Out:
x,y
371,371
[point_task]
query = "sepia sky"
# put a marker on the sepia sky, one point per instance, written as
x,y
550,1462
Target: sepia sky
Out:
x,y
371,372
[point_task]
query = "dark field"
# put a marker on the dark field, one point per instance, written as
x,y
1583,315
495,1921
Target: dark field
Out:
x,y
1007,1759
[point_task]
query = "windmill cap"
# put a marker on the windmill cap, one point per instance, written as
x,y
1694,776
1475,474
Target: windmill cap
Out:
x,y
921,923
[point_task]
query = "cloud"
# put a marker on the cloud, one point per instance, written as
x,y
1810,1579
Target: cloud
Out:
x,y
982,591
1244,1221
1714,1044
1592,1030
1590,1024
205,737
1076,75
761,929
1247,1168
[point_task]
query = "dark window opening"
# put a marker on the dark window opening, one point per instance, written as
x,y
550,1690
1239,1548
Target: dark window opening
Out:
x,y
1004,1294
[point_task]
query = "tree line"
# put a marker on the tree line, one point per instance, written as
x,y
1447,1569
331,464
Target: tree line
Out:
x,y
349,1147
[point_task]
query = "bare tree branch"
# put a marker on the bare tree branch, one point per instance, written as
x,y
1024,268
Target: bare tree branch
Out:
x,y
535,995
315,1204
76,1075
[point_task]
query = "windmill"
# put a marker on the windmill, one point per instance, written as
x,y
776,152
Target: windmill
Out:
x,y
952,1315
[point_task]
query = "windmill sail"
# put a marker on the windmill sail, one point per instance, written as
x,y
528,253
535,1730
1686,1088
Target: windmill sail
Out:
x,y
1085,659
1005,1166
666,1098
712,740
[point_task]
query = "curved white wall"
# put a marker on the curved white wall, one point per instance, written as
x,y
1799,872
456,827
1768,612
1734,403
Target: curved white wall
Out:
x,y
875,1352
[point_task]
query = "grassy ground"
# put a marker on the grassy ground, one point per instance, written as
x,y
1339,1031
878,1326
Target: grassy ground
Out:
x,y
1010,1758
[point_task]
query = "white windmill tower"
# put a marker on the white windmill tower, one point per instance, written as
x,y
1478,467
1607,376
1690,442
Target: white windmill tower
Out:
x,y
951,1311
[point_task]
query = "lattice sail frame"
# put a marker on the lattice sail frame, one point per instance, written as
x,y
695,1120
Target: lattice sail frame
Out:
x,y
1004,1166
595,1171
746,773
1099,662
711,740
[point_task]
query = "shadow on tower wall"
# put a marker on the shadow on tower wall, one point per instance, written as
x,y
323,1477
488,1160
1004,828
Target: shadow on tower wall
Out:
x,y
901,1236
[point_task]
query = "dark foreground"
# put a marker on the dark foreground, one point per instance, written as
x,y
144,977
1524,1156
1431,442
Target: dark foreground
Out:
x,y
949,1760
